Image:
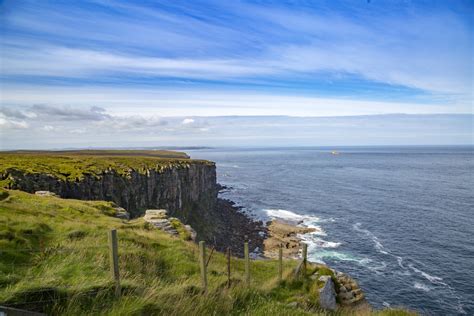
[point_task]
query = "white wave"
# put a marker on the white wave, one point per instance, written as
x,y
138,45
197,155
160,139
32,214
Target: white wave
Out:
x,y
315,242
438,281
318,256
378,269
421,286
328,220
289,215
400,262
330,244
377,244
431,278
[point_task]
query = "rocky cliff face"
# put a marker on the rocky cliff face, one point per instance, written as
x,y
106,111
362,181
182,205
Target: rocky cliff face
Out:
x,y
188,192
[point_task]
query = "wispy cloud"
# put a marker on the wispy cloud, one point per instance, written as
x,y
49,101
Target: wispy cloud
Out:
x,y
200,102
401,46
87,68
94,113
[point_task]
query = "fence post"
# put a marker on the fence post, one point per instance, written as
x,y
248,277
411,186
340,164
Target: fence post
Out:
x,y
247,263
114,263
202,262
228,267
280,263
305,258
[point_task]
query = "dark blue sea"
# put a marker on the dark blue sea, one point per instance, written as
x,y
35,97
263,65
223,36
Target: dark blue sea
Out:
x,y
398,219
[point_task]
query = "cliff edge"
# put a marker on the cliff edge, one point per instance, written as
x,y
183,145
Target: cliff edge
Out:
x,y
136,181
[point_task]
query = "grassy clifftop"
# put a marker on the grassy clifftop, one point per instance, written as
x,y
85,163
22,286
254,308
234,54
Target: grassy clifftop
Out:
x,y
72,165
55,259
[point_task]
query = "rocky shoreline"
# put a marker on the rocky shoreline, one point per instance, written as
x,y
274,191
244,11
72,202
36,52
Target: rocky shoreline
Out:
x,y
236,229
265,241
285,234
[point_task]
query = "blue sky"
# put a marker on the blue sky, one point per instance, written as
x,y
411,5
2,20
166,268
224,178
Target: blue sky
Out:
x,y
181,62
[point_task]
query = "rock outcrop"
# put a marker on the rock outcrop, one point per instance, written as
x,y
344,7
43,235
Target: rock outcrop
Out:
x,y
285,234
349,292
327,293
188,192
45,193
160,220
122,213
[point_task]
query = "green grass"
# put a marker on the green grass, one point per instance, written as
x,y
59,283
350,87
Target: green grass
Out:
x,y
54,258
74,165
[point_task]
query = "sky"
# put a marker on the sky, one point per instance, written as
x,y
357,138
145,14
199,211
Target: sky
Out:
x,y
245,73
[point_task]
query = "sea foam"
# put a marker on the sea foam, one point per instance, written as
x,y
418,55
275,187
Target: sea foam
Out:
x,y
421,286
313,239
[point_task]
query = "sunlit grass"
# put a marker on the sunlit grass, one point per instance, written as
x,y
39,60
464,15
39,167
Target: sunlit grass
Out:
x,y
55,259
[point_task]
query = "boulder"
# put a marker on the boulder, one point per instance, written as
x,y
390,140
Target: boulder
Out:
x,y
122,213
45,193
152,214
327,294
191,231
155,214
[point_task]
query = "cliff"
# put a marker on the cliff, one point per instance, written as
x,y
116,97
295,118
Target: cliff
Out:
x,y
185,187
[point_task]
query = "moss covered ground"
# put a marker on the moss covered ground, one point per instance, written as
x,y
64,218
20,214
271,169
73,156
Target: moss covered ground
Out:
x,y
55,259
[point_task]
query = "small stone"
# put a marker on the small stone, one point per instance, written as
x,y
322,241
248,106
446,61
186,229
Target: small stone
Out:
x,y
357,292
346,296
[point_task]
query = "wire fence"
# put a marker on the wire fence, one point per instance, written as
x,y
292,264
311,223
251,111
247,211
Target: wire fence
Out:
x,y
45,294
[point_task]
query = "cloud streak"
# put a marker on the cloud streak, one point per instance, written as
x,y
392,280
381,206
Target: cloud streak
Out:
x,y
200,102
375,44
173,71
151,130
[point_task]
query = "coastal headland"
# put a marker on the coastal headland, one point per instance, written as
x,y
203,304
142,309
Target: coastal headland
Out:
x,y
54,236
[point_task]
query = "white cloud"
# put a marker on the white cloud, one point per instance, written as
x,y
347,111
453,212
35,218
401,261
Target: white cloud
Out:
x,y
7,123
248,131
77,131
187,121
49,128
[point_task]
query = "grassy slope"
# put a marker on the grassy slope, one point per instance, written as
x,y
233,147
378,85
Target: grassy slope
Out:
x,y
91,152
55,255
76,164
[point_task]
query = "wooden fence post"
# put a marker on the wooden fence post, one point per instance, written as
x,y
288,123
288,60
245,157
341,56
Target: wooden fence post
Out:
x,y
305,258
228,267
114,263
247,263
202,262
280,263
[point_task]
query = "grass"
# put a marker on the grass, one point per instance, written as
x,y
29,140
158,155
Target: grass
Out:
x,y
55,259
74,165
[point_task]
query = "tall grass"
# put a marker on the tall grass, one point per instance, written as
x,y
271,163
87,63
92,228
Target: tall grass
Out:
x,y
55,259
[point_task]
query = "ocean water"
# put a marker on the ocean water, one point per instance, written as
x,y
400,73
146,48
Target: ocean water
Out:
x,y
398,219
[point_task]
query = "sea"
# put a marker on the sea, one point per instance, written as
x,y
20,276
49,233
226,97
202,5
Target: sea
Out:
x,y
400,220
